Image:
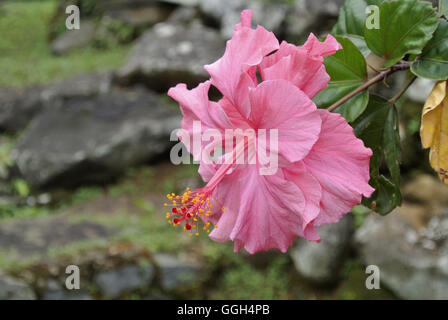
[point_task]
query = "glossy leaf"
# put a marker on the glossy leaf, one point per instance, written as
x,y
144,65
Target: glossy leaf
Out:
x,y
433,62
391,144
352,17
443,8
347,70
405,28
386,197
378,128
351,20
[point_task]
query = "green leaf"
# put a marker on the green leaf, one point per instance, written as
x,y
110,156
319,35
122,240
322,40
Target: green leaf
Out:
x,y
352,17
353,108
386,197
443,8
433,63
360,43
347,69
405,28
391,144
378,128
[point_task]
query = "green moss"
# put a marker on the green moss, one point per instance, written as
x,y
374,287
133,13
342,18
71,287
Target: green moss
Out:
x,y
10,212
246,282
10,260
85,194
353,286
76,248
148,230
26,57
6,148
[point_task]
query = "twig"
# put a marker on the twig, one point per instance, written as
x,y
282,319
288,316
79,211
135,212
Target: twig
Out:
x,y
403,65
402,91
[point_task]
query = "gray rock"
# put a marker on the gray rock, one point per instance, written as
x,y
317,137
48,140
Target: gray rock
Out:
x,y
19,107
185,3
175,272
311,16
227,14
15,289
29,237
413,264
92,140
172,53
325,7
139,16
183,15
299,20
73,39
83,85
114,283
321,262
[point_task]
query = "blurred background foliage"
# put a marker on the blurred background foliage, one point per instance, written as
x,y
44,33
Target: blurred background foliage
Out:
x,y
130,204
26,57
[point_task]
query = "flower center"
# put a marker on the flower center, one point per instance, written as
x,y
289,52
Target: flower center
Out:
x,y
196,206
191,208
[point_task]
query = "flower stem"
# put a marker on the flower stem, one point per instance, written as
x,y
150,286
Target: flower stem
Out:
x,y
403,65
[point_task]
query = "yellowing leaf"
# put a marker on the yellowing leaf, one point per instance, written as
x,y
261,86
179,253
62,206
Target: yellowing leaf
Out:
x,y
434,129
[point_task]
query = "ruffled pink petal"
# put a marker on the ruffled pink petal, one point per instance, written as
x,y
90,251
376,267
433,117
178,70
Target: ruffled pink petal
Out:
x,y
340,162
323,49
278,104
234,73
228,193
303,66
269,214
304,71
195,106
284,50
246,20
312,192
233,114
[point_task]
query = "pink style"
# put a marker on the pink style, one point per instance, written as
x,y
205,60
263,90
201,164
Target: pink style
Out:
x,y
323,169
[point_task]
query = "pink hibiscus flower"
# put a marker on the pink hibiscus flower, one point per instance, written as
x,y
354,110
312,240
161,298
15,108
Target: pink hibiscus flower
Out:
x,y
323,168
